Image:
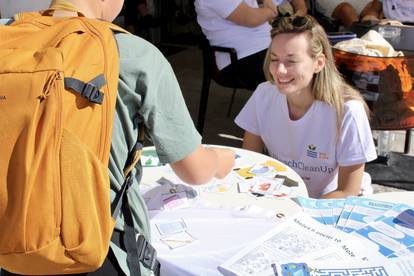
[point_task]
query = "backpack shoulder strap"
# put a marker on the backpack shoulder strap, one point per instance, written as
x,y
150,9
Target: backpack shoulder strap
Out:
x,y
135,154
139,248
133,158
118,29
46,18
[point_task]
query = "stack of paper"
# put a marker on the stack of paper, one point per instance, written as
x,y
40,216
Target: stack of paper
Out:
x,y
265,179
353,236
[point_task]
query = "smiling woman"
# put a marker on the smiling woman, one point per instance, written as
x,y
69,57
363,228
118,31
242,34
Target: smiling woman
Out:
x,y
292,69
307,115
131,70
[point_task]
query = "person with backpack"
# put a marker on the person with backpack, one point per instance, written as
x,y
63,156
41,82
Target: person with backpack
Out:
x,y
307,116
57,211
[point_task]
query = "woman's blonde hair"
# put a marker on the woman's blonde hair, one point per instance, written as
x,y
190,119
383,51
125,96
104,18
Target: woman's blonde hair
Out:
x,y
328,85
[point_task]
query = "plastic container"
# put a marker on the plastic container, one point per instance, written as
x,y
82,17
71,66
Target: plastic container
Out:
x,y
385,141
389,31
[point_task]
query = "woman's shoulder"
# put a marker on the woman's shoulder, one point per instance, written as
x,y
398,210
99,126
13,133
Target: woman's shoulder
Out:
x,y
266,92
266,86
354,106
353,101
354,111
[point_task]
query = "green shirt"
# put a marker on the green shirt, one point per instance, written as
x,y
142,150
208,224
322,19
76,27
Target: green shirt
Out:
x,y
148,91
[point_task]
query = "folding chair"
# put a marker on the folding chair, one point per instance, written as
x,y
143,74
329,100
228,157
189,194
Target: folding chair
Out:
x,y
211,72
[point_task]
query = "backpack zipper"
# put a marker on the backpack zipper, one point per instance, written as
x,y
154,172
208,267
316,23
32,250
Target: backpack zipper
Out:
x,y
58,79
58,75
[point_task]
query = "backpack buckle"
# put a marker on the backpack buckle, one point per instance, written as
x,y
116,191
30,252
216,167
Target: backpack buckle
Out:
x,y
88,90
92,93
147,254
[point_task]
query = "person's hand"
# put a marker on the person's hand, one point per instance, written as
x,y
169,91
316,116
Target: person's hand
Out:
x,y
370,17
270,5
204,163
226,159
390,22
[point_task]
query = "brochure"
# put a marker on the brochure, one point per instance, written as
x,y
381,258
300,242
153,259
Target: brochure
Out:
x,y
293,238
380,240
401,267
393,235
326,211
348,214
363,211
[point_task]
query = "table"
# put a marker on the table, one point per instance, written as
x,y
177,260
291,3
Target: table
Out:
x,y
406,197
221,223
247,158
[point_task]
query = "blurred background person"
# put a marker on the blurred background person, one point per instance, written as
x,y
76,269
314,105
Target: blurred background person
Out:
x,y
345,13
8,8
138,19
399,10
244,26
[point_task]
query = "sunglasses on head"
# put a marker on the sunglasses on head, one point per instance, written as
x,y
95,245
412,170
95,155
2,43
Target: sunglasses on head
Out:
x,y
295,21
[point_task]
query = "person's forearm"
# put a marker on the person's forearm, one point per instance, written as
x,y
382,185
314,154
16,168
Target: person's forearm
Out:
x,y
203,164
301,12
226,158
252,142
197,168
349,181
247,16
299,6
373,11
260,16
338,194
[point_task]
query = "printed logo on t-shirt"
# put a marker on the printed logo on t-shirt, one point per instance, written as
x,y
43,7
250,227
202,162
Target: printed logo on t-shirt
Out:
x,y
299,166
313,153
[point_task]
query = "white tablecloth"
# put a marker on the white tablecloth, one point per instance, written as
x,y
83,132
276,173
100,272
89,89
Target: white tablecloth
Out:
x,y
221,223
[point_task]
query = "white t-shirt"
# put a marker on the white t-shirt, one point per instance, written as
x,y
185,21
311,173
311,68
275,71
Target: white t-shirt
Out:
x,y
309,145
401,10
211,16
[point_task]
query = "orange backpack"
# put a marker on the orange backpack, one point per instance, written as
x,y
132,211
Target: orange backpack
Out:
x,y
58,86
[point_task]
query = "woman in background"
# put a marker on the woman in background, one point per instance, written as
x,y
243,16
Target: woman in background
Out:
x,y
244,26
